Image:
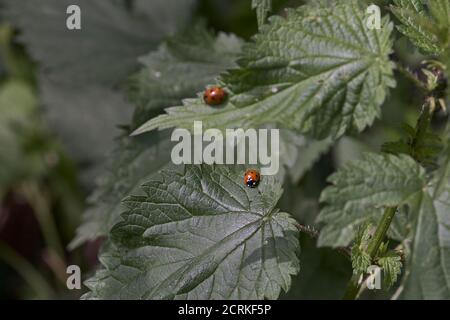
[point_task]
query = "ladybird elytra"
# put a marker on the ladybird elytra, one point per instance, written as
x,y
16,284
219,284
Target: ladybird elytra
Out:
x,y
214,96
252,178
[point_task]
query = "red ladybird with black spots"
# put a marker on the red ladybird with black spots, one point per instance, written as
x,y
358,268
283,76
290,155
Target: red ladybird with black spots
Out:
x,y
252,178
214,96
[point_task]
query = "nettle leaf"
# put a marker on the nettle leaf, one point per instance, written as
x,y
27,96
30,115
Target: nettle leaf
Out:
x,y
199,233
183,65
86,121
319,70
421,143
186,62
132,163
78,68
362,189
426,23
262,7
361,260
428,265
391,263
110,33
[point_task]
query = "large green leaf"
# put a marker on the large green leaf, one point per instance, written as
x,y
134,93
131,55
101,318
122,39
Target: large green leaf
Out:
x,y
132,163
78,68
428,266
425,22
86,121
183,65
362,189
319,70
199,233
109,34
136,159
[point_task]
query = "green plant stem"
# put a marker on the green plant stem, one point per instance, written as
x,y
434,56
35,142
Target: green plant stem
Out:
x,y
409,75
353,288
380,233
354,285
423,123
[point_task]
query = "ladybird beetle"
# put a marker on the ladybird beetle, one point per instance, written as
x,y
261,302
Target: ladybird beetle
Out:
x,y
251,178
214,96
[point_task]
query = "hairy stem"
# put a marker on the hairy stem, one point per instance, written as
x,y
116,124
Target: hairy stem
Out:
x,y
354,284
353,287
412,77
380,233
421,131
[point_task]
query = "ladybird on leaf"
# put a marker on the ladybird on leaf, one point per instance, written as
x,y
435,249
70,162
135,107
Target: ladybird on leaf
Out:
x,y
252,178
214,96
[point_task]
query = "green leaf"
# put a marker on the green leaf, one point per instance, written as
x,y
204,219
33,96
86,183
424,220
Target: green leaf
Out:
x,y
421,143
199,233
78,68
319,70
183,65
428,265
360,190
96,109
391,263
415,5
428,31
263,8
133,162
185,61
109,34
361,260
